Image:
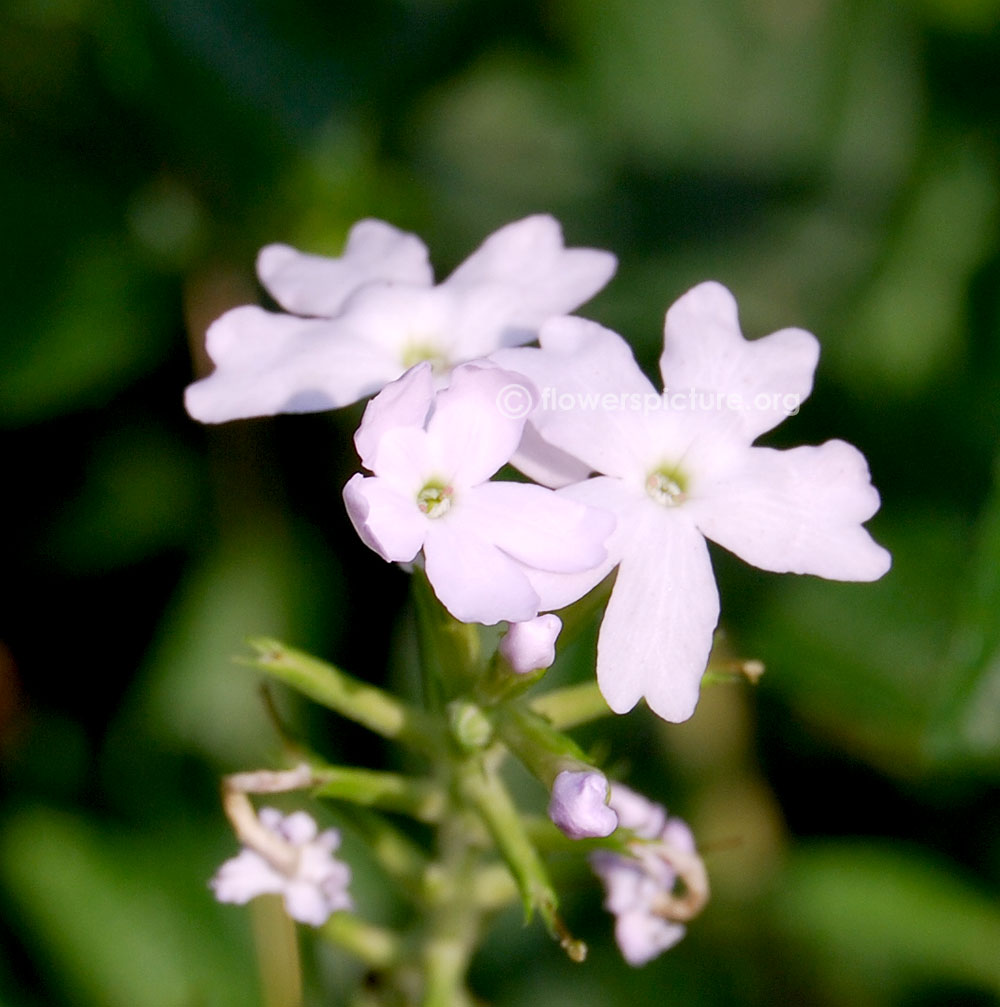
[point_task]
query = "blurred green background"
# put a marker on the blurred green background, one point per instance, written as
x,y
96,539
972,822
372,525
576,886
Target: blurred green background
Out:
x,y
834,163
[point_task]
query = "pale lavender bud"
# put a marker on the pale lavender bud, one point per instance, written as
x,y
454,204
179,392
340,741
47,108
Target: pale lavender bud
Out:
x,y
579,804
530,646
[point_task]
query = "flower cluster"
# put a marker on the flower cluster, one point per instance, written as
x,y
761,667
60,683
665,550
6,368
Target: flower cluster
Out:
x,y
624,478
637,490
432,456
642,887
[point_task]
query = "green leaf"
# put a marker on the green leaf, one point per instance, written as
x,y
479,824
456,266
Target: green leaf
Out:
x,y
99,334
140,496
190,697
862,918
966,726
861,663
910,323
105,914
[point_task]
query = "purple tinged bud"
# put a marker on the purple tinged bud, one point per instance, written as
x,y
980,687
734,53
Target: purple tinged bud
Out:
x,y
579,804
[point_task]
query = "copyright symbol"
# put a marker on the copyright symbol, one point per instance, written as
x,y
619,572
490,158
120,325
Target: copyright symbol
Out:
x,y
514,401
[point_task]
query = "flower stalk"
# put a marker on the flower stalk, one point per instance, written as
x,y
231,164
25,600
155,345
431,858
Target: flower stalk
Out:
x,y
365,704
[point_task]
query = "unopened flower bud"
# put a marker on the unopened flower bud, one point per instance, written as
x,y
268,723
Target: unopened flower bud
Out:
x,y
530,646
579,804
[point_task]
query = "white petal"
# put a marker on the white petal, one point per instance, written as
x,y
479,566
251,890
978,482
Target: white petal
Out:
x,y
798,511
657,630
407,459
641,936
677,833
271,817
408,323
557,590
305,903
268,363
546,464
387,522
244,877
644,817
404,402
298,828
624,880
527,262
472,427
317,285
489,316
540,528
328,840
591,393
704,350
474,580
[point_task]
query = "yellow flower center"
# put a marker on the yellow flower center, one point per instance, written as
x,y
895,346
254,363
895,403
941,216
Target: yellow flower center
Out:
x,y
435,500
667,486
417,353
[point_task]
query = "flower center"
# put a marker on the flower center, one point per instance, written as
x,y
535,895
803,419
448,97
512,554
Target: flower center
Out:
x,y
435,500
667,486
417,353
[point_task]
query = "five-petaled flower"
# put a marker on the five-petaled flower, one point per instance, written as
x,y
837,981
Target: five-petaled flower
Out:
x,y
360,321
678,476
432,457
312,881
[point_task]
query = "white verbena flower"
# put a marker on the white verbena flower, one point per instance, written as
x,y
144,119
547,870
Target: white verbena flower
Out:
x,y
432,457
313,882
531,646
579,804
361,320
657,888
677,470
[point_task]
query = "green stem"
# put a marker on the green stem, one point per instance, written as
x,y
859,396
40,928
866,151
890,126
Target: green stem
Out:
x,y
400,857
421,799
493,887
727,672
453,920
377,947
450,651
572,705
365,704
545,751
488,795
446,958
549,839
